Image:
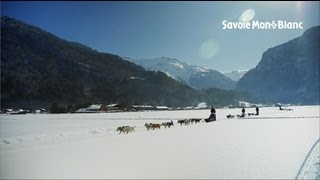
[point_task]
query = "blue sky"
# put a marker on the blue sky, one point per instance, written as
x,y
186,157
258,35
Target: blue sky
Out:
x,y
169,29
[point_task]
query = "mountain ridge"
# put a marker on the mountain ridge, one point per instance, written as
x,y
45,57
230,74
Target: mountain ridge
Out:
x,y
288,72
235,75
37,65
39,68
193,75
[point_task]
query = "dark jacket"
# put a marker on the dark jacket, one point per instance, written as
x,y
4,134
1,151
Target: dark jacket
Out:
x,y
211,118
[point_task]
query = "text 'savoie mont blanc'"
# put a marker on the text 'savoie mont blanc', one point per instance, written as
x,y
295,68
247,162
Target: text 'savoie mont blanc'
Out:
x,y
261,25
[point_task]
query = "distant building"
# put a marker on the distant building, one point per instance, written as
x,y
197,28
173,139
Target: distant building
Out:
x,y
20,111
7,110
243,104
94,108
188,108
143,107
113,107
162,108
202,105
41,110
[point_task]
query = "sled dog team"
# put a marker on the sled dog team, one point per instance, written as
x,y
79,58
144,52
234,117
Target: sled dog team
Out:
x,y
157,126
188,121
153,126
212,118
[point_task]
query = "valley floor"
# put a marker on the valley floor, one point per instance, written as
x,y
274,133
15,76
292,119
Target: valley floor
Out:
x,y
275,144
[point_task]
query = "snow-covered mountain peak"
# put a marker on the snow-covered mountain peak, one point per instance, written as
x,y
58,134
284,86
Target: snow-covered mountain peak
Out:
x,y
193,75
236,74
177,64
202,69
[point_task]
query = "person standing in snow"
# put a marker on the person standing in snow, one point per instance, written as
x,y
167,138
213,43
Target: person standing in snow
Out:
x,y
243,112
257,111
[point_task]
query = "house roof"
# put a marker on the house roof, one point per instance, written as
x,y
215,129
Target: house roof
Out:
x,y
142,106
162,107
94,107
112,105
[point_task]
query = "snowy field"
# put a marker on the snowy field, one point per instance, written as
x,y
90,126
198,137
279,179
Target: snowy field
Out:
x,y
275,144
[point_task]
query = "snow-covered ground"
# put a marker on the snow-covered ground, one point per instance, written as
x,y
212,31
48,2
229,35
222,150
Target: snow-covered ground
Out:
x,y
275,144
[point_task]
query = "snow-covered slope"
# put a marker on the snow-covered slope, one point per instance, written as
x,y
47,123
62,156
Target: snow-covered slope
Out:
x,y
235,75
272,145
195,76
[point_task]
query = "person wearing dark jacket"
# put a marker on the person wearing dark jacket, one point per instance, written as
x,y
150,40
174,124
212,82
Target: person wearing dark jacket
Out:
x,y
212,116
213,110
243,112
257,111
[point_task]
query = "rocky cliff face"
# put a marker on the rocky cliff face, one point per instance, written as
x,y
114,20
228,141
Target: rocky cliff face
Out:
x,y
288,72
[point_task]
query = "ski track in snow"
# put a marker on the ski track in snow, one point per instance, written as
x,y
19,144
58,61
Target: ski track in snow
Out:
x,y
310,168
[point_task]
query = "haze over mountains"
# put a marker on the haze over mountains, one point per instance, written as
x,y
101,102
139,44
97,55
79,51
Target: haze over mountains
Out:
x,y
195,76
235,75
